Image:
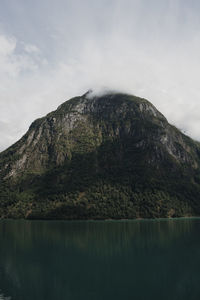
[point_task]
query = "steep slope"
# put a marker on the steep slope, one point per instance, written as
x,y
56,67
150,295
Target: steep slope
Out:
x,y
113,156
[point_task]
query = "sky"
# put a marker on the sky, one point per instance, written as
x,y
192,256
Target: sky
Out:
x,y
52,50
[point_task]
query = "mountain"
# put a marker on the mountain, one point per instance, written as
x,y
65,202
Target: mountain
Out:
x,y
100,157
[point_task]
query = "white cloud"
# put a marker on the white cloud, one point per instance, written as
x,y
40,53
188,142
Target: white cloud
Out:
x,y
13,64
15,72
7,46
31,49
150,49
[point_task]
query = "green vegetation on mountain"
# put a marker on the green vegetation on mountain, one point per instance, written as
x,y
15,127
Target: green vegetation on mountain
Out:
x,y
100,157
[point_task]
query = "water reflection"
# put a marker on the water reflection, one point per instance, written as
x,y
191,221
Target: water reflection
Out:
x,y
100,260
2,297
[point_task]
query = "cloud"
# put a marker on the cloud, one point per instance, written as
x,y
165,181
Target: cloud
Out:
x,y
7,46
13,64
31,49
15,69
147,48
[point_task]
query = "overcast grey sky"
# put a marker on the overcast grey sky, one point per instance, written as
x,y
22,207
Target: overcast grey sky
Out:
x,y
51,50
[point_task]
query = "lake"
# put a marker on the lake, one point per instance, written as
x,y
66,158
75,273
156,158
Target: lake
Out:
x,y
154,259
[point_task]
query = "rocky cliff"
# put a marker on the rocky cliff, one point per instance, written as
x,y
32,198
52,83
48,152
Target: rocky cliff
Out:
x,y
112,156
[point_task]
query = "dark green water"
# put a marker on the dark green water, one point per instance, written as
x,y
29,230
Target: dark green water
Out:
x,y
100,260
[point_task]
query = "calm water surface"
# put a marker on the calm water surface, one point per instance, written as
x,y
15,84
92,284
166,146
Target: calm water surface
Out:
x,y
100,260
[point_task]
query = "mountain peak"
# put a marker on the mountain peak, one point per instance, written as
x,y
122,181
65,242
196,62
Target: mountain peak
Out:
x,y
96,147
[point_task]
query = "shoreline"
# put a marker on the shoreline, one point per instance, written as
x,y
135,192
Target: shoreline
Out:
x,y
104,220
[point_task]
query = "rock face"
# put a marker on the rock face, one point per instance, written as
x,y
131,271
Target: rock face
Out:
x,y
113,156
